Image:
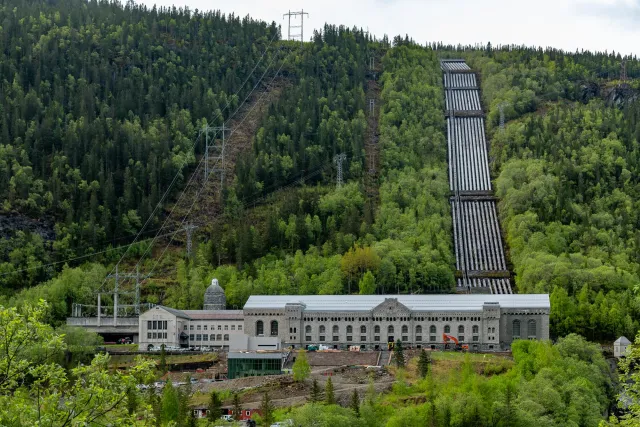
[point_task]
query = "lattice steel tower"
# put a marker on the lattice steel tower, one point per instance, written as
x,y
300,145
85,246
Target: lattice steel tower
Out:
x,y
338,159
294,27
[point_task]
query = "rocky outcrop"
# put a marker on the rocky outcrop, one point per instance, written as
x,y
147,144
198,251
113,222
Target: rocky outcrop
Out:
x,y
620,96
11,223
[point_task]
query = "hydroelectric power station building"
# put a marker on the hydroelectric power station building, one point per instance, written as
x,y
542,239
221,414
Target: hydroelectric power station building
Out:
x,y
484,322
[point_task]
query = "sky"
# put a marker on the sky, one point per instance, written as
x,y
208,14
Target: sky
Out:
x,y
612,25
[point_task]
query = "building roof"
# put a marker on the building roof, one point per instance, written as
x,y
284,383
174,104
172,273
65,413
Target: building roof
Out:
x,y
204,314
622,340
458,302
214,288
214,314
254,355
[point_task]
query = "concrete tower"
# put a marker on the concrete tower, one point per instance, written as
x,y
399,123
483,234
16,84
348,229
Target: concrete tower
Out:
x,y
214,297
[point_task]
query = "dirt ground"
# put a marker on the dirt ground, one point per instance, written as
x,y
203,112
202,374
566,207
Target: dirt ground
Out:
x,y
285,392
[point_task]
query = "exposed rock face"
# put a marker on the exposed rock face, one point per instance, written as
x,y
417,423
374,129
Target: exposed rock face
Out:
x,y
620,96
9,224
588,91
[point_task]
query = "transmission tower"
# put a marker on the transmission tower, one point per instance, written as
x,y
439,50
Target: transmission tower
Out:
x,y
294,27
338,159
501,107
189,228
372,105
214,151
117,276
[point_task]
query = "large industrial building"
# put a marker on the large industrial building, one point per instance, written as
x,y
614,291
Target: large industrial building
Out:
x,y
481,321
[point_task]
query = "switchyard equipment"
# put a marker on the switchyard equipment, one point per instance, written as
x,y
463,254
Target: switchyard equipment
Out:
x,y
480,255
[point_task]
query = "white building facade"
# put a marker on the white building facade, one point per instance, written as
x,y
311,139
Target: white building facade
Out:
x,y
484,322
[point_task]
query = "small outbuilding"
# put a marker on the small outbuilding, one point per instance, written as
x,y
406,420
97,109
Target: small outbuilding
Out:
x,y
620,346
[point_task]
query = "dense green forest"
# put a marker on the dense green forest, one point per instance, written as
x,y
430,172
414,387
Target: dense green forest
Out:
x,y
100,108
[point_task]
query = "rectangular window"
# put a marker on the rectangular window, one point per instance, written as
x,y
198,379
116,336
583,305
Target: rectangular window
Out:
x,y
363,338
226,327
148,335
376,338
191,327
307,338
405,338
349,338
191,337
461,338
219,327
198,337
155,325
432,338
149,324
335,338
475,338
239,327
199,327
154,335
321,337
205,337
418,337
205,327
185,327
233,327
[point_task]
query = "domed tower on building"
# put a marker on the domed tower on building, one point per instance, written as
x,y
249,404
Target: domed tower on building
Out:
x,y
214,297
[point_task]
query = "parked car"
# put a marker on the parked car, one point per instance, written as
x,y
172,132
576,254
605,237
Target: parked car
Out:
x,y
227,417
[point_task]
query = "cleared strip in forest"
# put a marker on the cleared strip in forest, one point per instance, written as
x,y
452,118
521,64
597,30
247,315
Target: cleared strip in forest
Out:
x,y
480,255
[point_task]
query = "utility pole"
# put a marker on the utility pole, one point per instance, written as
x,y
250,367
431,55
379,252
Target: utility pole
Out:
x,y
372,105
338,159
214,151
501,107
189,228
294,27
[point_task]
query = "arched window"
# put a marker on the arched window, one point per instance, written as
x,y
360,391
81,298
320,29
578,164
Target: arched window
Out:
x,y
349,329
307,329
432,329
274,328
390,329
475,329
405,329
363,329
461,329
447,329
531,329
418,329
335,329
516,329
322,329
259,327
226,337
376,329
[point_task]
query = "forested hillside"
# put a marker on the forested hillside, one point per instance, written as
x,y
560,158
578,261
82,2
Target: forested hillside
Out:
x,y
100,108
566,170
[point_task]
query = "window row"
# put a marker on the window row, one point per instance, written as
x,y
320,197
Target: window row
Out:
x,y
376,338
157,324
531,329
213,327
390,329
207,337
260,328
156,335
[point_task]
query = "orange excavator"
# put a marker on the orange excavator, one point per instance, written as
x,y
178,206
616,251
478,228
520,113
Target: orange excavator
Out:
x,y
448,346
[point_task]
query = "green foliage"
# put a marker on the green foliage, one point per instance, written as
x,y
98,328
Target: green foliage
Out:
x,y
398,354
316,393
214,408
329,397
325,416
354,404
170,403
266,409
629,396
301,368
237,407
367,284
423,363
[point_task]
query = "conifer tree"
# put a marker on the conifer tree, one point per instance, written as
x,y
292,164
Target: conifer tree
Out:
x,y
266,409
163,360
329,397
316,394
355,403
423,363
237,408
399,354
170,403
214,408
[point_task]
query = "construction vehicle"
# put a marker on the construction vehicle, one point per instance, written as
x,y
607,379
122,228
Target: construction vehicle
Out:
x,y
448,339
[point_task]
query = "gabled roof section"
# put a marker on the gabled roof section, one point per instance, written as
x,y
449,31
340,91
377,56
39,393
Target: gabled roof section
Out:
x,y
459,302
175,312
